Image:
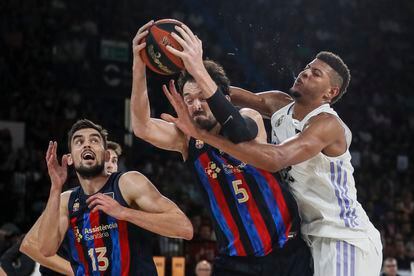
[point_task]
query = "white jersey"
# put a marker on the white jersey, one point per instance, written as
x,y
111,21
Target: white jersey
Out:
x,y
323,186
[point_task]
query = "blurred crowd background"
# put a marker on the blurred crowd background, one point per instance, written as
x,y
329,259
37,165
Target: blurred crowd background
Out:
x,y
65,60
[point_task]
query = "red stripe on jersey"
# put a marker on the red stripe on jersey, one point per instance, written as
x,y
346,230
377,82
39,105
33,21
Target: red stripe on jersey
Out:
x,y
218,194
254,213
124,244
98,241
280,200
78,244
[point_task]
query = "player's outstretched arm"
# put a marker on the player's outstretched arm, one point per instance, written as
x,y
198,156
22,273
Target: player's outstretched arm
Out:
x,y
266,103
155,131
55,219
324,132
30,247
149,208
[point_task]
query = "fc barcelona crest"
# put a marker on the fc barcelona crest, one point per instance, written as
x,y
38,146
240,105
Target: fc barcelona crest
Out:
x,y
75,207
199,144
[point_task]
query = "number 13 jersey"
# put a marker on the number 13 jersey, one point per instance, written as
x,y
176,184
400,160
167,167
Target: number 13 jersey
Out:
x,y
103,245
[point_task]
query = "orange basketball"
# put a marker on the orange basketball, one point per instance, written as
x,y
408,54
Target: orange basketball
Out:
x,y
155,54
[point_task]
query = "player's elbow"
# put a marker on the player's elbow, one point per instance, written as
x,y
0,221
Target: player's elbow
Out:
x,y
188,230
25,247
47,251
140,131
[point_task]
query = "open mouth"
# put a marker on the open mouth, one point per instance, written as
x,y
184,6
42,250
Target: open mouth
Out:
x,y
88,155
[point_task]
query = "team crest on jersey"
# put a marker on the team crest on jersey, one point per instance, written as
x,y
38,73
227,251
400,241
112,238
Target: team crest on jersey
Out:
x,y
212,170
76,205
199,144
279,121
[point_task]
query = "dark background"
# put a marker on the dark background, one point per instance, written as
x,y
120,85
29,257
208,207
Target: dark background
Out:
x,y
65,60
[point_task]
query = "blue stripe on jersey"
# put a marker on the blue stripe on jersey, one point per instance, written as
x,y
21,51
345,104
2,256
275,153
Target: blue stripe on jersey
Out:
x,y
90,243
116,252
80,271
244,214
215,208
270,202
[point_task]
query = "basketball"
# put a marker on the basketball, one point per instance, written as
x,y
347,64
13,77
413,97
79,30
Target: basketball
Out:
x,y
155,54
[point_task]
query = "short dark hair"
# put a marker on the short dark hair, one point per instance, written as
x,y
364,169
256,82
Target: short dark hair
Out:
x,y
115,147
216,72
85,123
336,63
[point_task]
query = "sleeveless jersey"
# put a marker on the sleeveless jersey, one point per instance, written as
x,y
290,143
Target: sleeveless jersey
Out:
x,y
323,186
252,210
103,245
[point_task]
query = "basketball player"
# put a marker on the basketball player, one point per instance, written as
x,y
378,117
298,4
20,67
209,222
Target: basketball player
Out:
x,y
254,216
106,219
115,151
311,143
58,262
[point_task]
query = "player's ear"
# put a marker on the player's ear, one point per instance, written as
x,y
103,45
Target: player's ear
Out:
x,y
107,155
70,160
331,93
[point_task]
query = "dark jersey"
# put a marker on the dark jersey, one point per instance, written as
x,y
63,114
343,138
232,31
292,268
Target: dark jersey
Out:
x,y
103,245
252,209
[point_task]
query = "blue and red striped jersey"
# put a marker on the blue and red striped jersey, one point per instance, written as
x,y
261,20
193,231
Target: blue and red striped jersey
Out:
x,y
103,245
252,210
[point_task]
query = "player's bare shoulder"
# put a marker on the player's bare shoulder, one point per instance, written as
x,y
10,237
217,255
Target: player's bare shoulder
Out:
x,y
133,184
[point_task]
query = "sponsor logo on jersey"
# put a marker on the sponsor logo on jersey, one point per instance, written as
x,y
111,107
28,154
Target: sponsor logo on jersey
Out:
x,y
212,170
97,232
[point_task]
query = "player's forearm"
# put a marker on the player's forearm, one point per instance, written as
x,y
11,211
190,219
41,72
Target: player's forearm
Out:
x,y
30,247
55,263
140,106
172,224
264,156
48,234
266,103
205,82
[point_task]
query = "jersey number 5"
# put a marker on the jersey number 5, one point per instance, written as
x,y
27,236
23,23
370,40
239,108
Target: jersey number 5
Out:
x,y
242,191
101,251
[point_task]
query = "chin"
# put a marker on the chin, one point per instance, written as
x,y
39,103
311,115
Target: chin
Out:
x,y
294,93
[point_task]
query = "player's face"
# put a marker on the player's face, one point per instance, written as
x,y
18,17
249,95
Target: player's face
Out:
x,y
111,166
88,152
313,83
197,106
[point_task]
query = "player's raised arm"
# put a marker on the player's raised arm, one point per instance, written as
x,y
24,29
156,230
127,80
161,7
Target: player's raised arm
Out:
x,y
155,131
55,220
154,212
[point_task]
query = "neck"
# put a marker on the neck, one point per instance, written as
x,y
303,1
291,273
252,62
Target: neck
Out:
x,y
300,110
92,185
